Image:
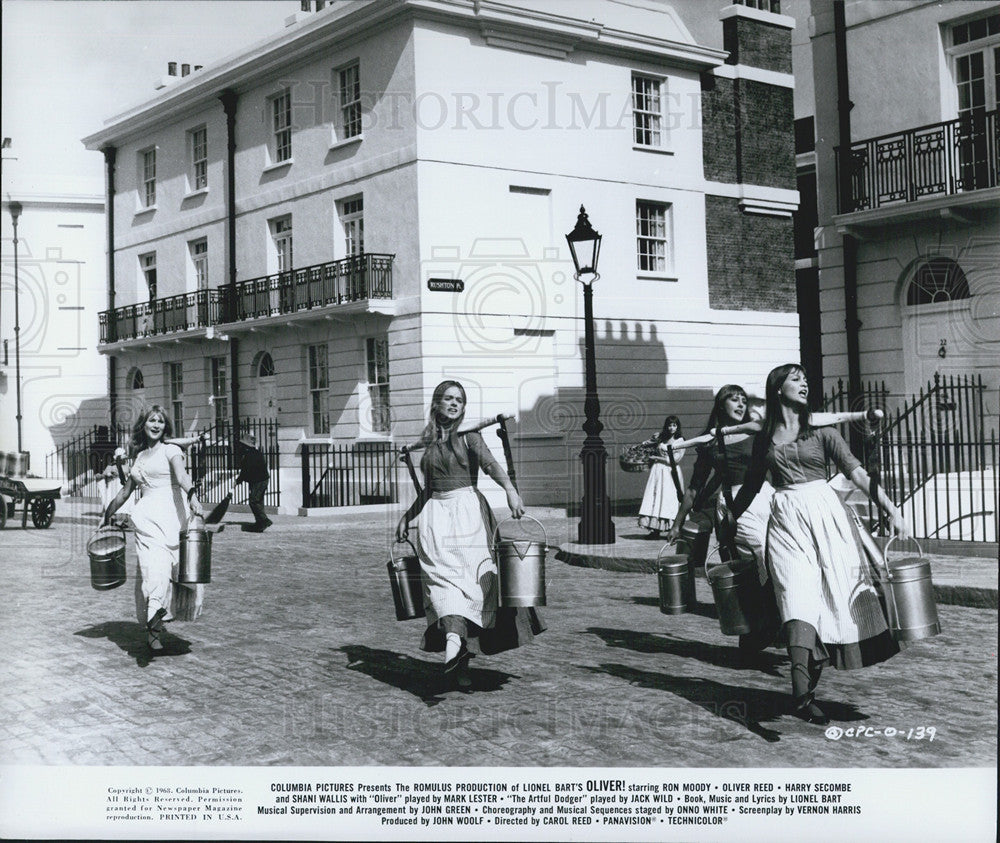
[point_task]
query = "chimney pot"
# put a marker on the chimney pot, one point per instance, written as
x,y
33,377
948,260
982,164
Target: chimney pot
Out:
x,y
171,68
198,66
185,69
306,6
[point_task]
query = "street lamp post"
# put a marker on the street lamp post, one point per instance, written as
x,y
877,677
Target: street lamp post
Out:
x,y
596,526
15,212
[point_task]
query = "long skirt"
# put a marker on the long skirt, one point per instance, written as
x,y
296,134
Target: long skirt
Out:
x,y
659,501
821,576
459,575
157,518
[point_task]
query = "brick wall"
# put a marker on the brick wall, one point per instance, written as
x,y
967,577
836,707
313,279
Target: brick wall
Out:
x,y
718,116
757,44
750,264
766,135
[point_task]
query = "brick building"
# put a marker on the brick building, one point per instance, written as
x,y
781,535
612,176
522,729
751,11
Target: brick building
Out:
x,y
318,230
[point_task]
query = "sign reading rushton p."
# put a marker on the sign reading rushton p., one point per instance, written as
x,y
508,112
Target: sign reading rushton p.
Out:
x,y
447,285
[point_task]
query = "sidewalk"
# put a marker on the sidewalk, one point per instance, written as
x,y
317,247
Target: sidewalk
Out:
x,y
959,579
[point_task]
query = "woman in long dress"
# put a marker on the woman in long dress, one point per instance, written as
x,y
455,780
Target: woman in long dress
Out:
x,y
167,492
455,529
822,582
714,470
659,500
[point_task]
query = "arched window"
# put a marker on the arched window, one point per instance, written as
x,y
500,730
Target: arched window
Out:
x,y
135,380
937,280
265,366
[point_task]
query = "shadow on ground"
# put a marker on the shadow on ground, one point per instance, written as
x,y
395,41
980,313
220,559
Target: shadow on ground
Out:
x,y
703,610
425,680
131,638
728,657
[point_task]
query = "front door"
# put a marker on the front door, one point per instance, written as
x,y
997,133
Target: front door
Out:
x,y
267,398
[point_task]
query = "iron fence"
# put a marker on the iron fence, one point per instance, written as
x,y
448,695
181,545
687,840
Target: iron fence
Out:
x,y
215,464
936,456
212,464
349,475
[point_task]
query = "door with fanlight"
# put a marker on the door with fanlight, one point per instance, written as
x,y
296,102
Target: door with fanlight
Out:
x,y
267,388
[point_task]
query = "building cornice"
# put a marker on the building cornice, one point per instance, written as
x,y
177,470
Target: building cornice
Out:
x,y
755,74
498,23
757,198
87,202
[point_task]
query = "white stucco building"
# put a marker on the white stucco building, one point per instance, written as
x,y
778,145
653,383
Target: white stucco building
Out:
x,y
282,222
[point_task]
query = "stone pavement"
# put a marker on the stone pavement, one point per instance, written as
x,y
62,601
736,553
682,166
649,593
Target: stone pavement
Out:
x,y
959,580
298,660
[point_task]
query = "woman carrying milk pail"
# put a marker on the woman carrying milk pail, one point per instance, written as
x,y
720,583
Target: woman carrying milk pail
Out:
x,y
158,472
826,597
712,470
455,528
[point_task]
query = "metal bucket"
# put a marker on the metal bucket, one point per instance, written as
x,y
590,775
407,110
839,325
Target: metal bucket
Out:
x,y
521,570
406,584
106,550
909,597
196,553
740,599
676,584
693,539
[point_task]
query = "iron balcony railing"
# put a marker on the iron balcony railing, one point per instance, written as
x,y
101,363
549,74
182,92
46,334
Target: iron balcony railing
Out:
x,y
160,316
941,159
359,277
355,278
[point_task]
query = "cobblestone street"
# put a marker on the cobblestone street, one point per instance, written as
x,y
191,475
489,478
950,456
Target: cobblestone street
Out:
x,y
298,660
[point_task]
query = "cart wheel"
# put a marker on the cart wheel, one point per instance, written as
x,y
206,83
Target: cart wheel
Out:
x,y
42,510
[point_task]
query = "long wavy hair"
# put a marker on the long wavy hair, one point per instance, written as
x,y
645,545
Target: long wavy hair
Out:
x,y
715,418
665,435
139,441
772,394
435,430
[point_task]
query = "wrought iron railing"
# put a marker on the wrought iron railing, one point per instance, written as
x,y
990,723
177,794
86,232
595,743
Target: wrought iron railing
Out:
x,y
211,463
349,475
160,316
215,464
355,278
955,156
936,455
364,276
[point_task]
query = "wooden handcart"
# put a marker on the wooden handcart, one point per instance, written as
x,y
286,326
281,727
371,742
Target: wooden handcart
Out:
x,y
37,495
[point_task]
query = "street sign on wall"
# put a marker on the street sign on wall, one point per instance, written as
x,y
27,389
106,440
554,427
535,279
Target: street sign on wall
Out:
x,y
447,285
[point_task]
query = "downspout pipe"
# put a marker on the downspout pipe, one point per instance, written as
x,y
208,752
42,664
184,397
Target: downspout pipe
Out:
x,y
228,99
110,156
852,324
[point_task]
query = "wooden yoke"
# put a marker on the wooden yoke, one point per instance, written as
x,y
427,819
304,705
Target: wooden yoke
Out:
x,y
501,420
406,450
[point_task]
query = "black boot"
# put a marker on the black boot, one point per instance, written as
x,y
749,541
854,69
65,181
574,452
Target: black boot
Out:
x,y
154,629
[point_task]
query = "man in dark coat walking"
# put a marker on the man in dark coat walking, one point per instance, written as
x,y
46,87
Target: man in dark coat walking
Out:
x,y
253,472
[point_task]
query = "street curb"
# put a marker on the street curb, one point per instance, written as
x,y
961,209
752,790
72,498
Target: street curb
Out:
x,y
946,595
